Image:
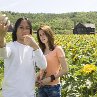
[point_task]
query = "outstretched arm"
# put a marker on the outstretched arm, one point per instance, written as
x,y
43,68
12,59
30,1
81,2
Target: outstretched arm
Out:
x,y
4,23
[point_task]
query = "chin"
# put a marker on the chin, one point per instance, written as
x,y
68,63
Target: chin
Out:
x,y
43,41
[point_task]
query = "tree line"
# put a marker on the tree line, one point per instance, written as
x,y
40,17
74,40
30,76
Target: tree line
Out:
x,y
60,23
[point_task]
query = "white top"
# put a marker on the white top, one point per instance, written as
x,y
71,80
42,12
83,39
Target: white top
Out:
x,y
19,69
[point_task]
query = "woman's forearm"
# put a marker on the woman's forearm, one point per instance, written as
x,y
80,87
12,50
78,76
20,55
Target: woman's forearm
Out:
x,y
61,73
2,42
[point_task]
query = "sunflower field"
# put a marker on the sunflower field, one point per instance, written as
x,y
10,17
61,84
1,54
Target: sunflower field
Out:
x,y
81,57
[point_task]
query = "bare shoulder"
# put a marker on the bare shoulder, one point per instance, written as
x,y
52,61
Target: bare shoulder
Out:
x,y
59,48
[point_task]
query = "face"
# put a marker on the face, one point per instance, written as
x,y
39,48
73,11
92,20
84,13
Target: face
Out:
x,y
43,37
23,29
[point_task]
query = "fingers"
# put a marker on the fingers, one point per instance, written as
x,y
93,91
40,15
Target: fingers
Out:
x,y
7,24
39,83
4,24
2,16
27,36
4,20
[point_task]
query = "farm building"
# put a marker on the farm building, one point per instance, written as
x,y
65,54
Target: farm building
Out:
x,y
84,28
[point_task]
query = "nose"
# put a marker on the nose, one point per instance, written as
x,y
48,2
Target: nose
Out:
x,y
24,32
42,37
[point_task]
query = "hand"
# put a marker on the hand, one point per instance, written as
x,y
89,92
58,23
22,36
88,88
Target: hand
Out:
x,y
39,77
4,23
29,40
37,84
43,82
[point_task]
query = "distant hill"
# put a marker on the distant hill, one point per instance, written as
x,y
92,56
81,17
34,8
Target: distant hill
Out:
x,y
61,23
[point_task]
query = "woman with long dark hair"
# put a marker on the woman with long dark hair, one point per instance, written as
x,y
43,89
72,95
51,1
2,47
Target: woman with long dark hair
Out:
x,y
19,58
48,80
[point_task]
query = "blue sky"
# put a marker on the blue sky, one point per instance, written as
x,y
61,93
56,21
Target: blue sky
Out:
x,y
48,6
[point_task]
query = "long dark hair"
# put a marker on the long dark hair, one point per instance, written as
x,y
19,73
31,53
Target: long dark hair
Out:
x,y
50,35
18,22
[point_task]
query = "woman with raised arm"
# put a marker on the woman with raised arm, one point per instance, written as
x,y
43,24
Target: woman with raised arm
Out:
x,y
19,58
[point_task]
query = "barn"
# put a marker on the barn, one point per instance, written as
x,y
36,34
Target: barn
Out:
x,y
84,28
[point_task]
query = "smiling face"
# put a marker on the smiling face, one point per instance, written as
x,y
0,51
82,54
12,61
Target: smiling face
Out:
x,y
43,37
23,29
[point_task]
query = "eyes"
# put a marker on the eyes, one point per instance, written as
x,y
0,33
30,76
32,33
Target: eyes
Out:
x,y
24,28
42,34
